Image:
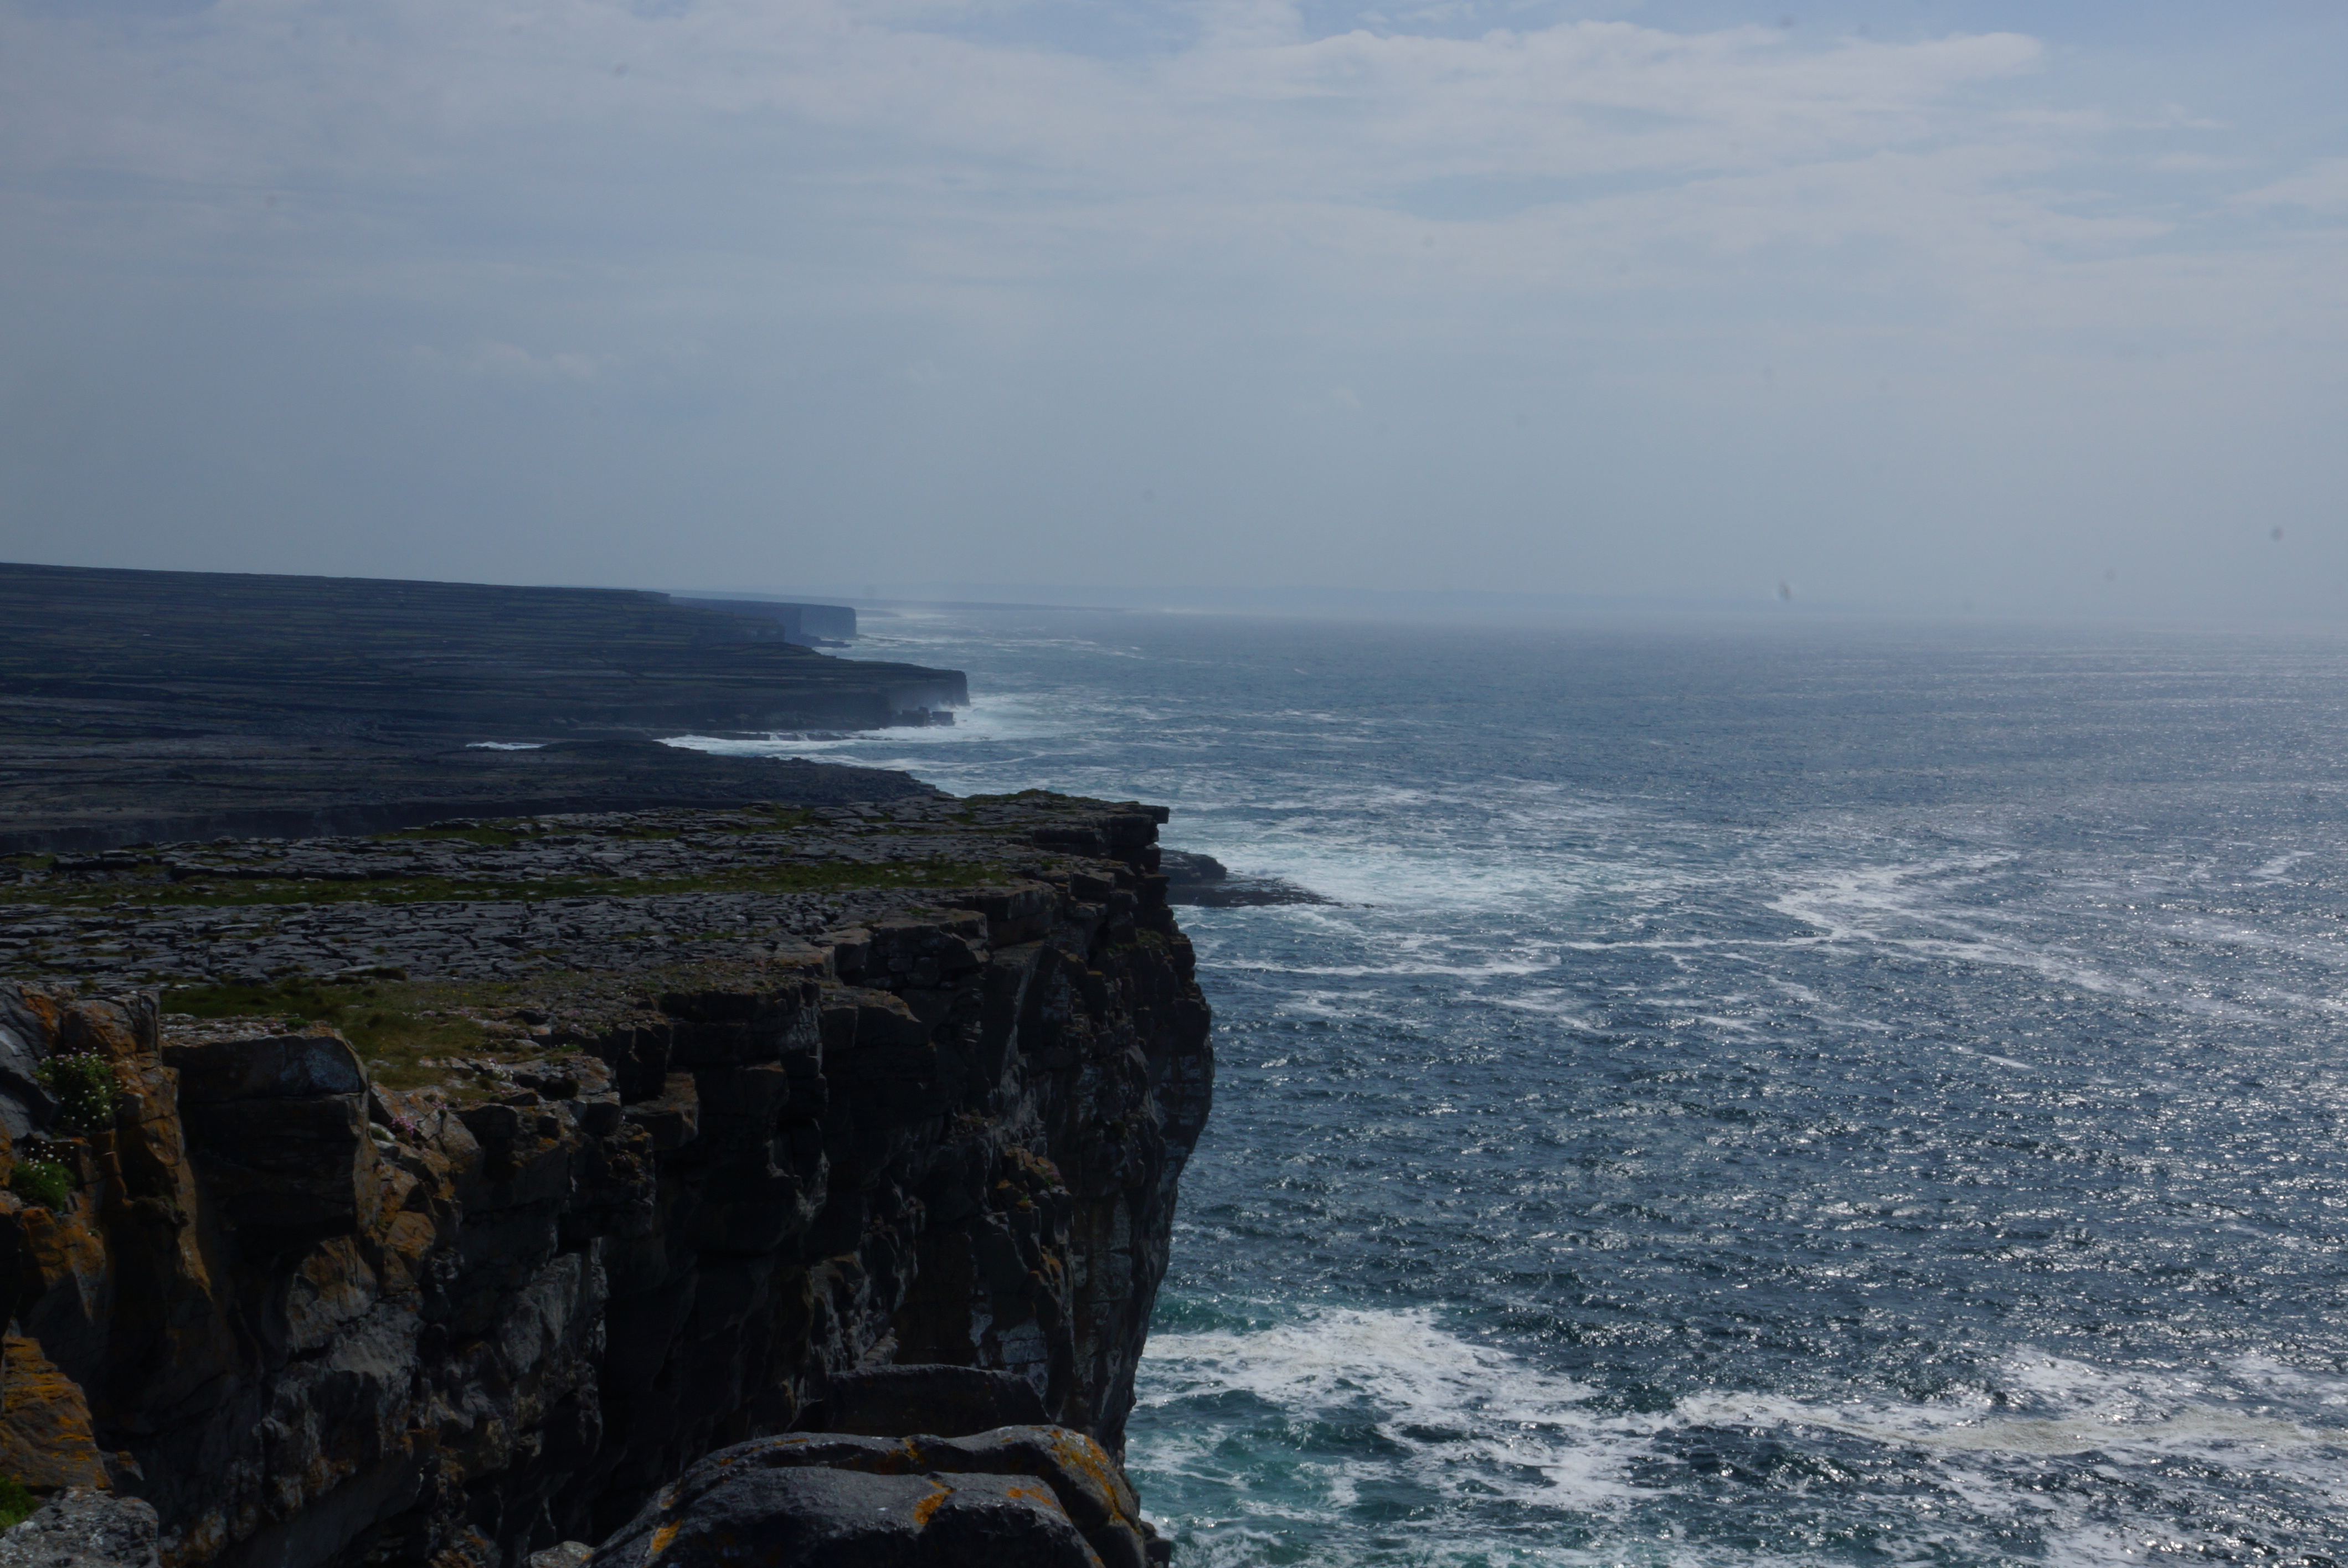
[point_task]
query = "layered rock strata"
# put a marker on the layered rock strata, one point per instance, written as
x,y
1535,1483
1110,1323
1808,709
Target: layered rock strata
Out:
x,y
567,1202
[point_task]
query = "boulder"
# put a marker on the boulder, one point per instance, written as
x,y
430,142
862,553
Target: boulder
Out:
x,y
1018,1497
83,1530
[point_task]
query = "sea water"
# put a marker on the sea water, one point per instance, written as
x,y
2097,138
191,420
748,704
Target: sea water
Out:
x,y
1764,1094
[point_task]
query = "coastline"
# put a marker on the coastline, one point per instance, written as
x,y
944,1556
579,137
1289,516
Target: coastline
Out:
x,y
146,706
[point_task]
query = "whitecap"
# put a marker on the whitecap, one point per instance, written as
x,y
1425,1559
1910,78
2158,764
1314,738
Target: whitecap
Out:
x,y
1454,1415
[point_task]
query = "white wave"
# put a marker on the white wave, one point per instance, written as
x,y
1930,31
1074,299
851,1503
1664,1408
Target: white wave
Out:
x,y
1361,971
1456,1416
1990,1056
2082,1409
1471,1420
995,719
1885,905
1338,863
2278,868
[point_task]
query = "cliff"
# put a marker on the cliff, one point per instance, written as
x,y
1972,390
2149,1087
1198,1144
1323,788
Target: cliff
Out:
x,y
140,705
454,1191
812,625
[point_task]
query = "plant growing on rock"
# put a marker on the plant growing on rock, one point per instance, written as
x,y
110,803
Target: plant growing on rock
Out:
x,y
16,1504
42,1182
84,1085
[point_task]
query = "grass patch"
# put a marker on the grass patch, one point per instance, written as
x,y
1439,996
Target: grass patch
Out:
x,y
16,1504
84,1087
395,1026
43,1181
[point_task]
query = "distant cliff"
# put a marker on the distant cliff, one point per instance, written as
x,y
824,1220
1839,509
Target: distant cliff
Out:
x,y
152,654
470,1184
814,625
141,704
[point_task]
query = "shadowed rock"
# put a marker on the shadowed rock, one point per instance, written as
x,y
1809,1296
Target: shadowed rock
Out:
x,y
1201,881
1017,1497
943,1401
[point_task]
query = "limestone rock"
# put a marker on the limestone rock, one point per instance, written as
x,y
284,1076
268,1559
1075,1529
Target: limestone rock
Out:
x,y
83,1530
564,1555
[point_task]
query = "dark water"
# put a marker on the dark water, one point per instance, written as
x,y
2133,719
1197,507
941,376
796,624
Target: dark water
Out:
x,y
1769,1095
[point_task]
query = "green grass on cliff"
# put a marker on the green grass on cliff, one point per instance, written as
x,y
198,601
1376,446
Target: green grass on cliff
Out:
x,y
46,1183
407,1032
402,1029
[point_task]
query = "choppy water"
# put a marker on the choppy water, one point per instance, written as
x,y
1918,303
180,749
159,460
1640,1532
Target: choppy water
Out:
x,y
1770,1095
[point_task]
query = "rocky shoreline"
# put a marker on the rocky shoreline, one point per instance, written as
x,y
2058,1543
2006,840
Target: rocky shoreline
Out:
x,y
462,1190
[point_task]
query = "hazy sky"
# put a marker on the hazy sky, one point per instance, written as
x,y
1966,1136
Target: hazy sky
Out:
x,y
2036,306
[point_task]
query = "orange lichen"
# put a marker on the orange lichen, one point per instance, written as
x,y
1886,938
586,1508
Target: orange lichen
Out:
x,y
1079,1452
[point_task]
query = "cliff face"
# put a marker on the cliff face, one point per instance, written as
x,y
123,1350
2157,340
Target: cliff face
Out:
x,y
661,1206
104,655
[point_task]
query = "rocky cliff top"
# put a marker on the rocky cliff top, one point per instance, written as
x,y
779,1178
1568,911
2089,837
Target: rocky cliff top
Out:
x,y
470,898
443,1196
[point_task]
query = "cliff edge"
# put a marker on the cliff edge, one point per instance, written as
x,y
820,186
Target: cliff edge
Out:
x,y
446,1196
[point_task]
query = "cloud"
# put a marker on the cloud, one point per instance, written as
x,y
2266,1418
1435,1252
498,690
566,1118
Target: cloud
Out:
x,y
2320,186
591,105
902,157
780,240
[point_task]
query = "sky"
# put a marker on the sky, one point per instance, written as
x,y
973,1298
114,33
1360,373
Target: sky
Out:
x,y
1931,305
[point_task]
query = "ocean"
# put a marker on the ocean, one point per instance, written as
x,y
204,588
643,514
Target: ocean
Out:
x,y
1766,1092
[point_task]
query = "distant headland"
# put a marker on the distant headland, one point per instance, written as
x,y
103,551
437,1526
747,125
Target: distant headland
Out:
x,y
157,704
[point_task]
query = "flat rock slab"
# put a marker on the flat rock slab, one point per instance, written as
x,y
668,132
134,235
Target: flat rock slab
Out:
x,y
475,898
